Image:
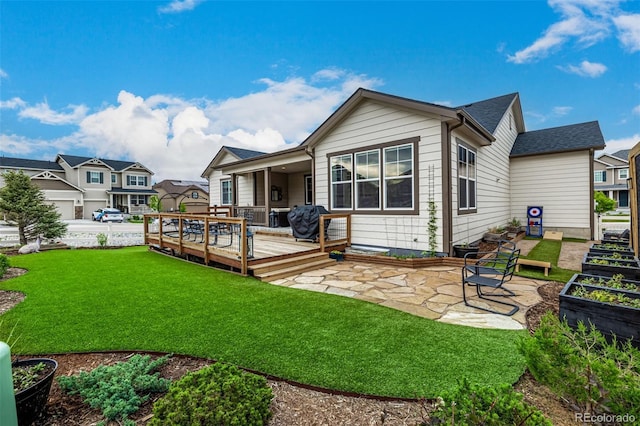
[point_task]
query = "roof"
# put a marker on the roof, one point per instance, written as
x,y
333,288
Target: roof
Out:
x,y
23,163
243,154
623,154
490,111
116,165
180,186
574,137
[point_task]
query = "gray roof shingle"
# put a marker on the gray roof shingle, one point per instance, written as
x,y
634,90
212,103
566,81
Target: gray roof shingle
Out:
x,y
23,163
573,137
117,165
490,111
623,154
244,154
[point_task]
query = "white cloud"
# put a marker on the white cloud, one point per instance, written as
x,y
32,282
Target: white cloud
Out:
x,y
557,111
587,22
628,27
560,111
178,6
636,110
13,103
43,113
3,74
586,69
177,138
613,145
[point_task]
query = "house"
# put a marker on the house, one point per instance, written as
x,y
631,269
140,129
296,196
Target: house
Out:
x,y
610,174
79,185
384,158
192,195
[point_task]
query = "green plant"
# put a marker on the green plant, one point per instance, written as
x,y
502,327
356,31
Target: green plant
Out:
x,y
432,228
220,394
102,239
118,390
580,365
155,203
336,252
26,376
182,208
603,203
495,230
606,296
4,264
514,222
484,405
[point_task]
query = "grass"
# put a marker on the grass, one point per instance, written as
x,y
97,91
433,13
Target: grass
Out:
x,y
548,251
133,299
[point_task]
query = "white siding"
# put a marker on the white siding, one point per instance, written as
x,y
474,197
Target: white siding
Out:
x,y
560,183
296,189
372,124
245,190
493,185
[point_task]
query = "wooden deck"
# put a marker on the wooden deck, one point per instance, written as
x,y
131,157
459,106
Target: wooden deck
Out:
x,y
222,243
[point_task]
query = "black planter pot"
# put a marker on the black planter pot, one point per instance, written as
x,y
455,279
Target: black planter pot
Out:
x,y
610,249
462,251
609,318
337,256
30,402
629,268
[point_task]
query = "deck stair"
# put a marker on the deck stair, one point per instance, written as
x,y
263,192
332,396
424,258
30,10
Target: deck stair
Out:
x,y
292,265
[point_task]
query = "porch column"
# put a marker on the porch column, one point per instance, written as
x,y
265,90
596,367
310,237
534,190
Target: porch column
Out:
x,y
267,194
234,194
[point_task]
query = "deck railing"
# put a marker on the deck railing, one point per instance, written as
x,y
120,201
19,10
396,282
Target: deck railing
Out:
x,y
337,230
213,238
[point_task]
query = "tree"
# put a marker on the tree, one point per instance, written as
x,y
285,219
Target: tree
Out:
x,y
155,203
23,204
603,203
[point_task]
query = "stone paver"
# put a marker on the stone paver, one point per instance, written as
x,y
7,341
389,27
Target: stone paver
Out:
x,y
434,292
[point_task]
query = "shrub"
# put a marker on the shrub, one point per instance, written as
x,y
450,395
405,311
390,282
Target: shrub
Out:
x,y
118,390
219,394
476,405
580,365
102,239
4,264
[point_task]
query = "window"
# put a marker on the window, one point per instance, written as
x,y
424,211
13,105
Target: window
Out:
x,y
398,177
368,180
623,173
113,178
341,171
379,179
466,179
195,195
95,177
225,192
133,180
600,176
308,189
138,200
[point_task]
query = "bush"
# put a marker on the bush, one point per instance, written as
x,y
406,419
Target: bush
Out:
x,y
597,376
102,239
118,390
219,394
4,264
476,405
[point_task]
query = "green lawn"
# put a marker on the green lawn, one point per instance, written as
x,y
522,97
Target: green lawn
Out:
x,y
134,299
548,251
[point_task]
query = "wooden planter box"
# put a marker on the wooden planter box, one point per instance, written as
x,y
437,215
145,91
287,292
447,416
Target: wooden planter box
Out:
x,y
629,268
609,318
495,237
605,249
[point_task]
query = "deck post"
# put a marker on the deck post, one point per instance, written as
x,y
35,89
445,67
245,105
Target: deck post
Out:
x,y
322,233
243,247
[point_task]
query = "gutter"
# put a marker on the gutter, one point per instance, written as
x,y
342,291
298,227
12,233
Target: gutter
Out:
x,y
309,152
447,202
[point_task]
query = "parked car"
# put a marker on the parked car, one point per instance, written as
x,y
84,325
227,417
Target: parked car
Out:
x,y
108,215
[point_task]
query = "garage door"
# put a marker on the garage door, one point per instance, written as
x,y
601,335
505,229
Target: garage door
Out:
x,y
65,208
90,206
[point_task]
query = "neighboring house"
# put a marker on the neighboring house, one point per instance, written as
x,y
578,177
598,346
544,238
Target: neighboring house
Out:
x,y
382,158
79,185
610,174
194,195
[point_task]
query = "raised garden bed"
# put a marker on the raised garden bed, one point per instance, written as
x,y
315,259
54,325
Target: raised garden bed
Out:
x,y
608,267
610,248
611,311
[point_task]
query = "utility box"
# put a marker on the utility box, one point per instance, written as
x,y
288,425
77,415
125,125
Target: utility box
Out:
x,y
534,221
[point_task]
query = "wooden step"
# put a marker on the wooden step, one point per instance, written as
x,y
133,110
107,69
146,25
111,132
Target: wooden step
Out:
x,y
294,269
287,262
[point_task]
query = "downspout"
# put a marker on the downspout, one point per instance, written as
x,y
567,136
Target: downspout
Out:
x,y
447,202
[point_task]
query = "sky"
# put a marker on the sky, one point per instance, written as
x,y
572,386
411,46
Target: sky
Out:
x,y
167,83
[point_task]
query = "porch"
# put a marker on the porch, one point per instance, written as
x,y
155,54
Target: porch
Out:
x,y
218,238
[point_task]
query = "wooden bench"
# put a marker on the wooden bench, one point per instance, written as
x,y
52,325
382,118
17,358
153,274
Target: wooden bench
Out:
x,y
536,263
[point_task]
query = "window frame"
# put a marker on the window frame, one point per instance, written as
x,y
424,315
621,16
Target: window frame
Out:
x,y
381,148
98,175
378,179
468,209
597,173
626,170
134,180
308,190
223,192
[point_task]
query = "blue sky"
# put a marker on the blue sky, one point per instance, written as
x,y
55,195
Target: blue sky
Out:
x,y
167,83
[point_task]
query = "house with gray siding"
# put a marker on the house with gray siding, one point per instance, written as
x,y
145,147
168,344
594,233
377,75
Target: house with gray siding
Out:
x,y
610,174
384,158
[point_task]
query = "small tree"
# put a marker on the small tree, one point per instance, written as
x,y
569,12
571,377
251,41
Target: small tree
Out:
x,y
603,203
155,203
23,204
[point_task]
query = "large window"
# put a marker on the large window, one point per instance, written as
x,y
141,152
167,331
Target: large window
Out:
x,y
95,177
378,179
225,192
466,179
600,176
133,180
139,200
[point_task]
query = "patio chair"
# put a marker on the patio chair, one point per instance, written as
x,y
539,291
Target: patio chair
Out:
x,y
491,275
617,236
